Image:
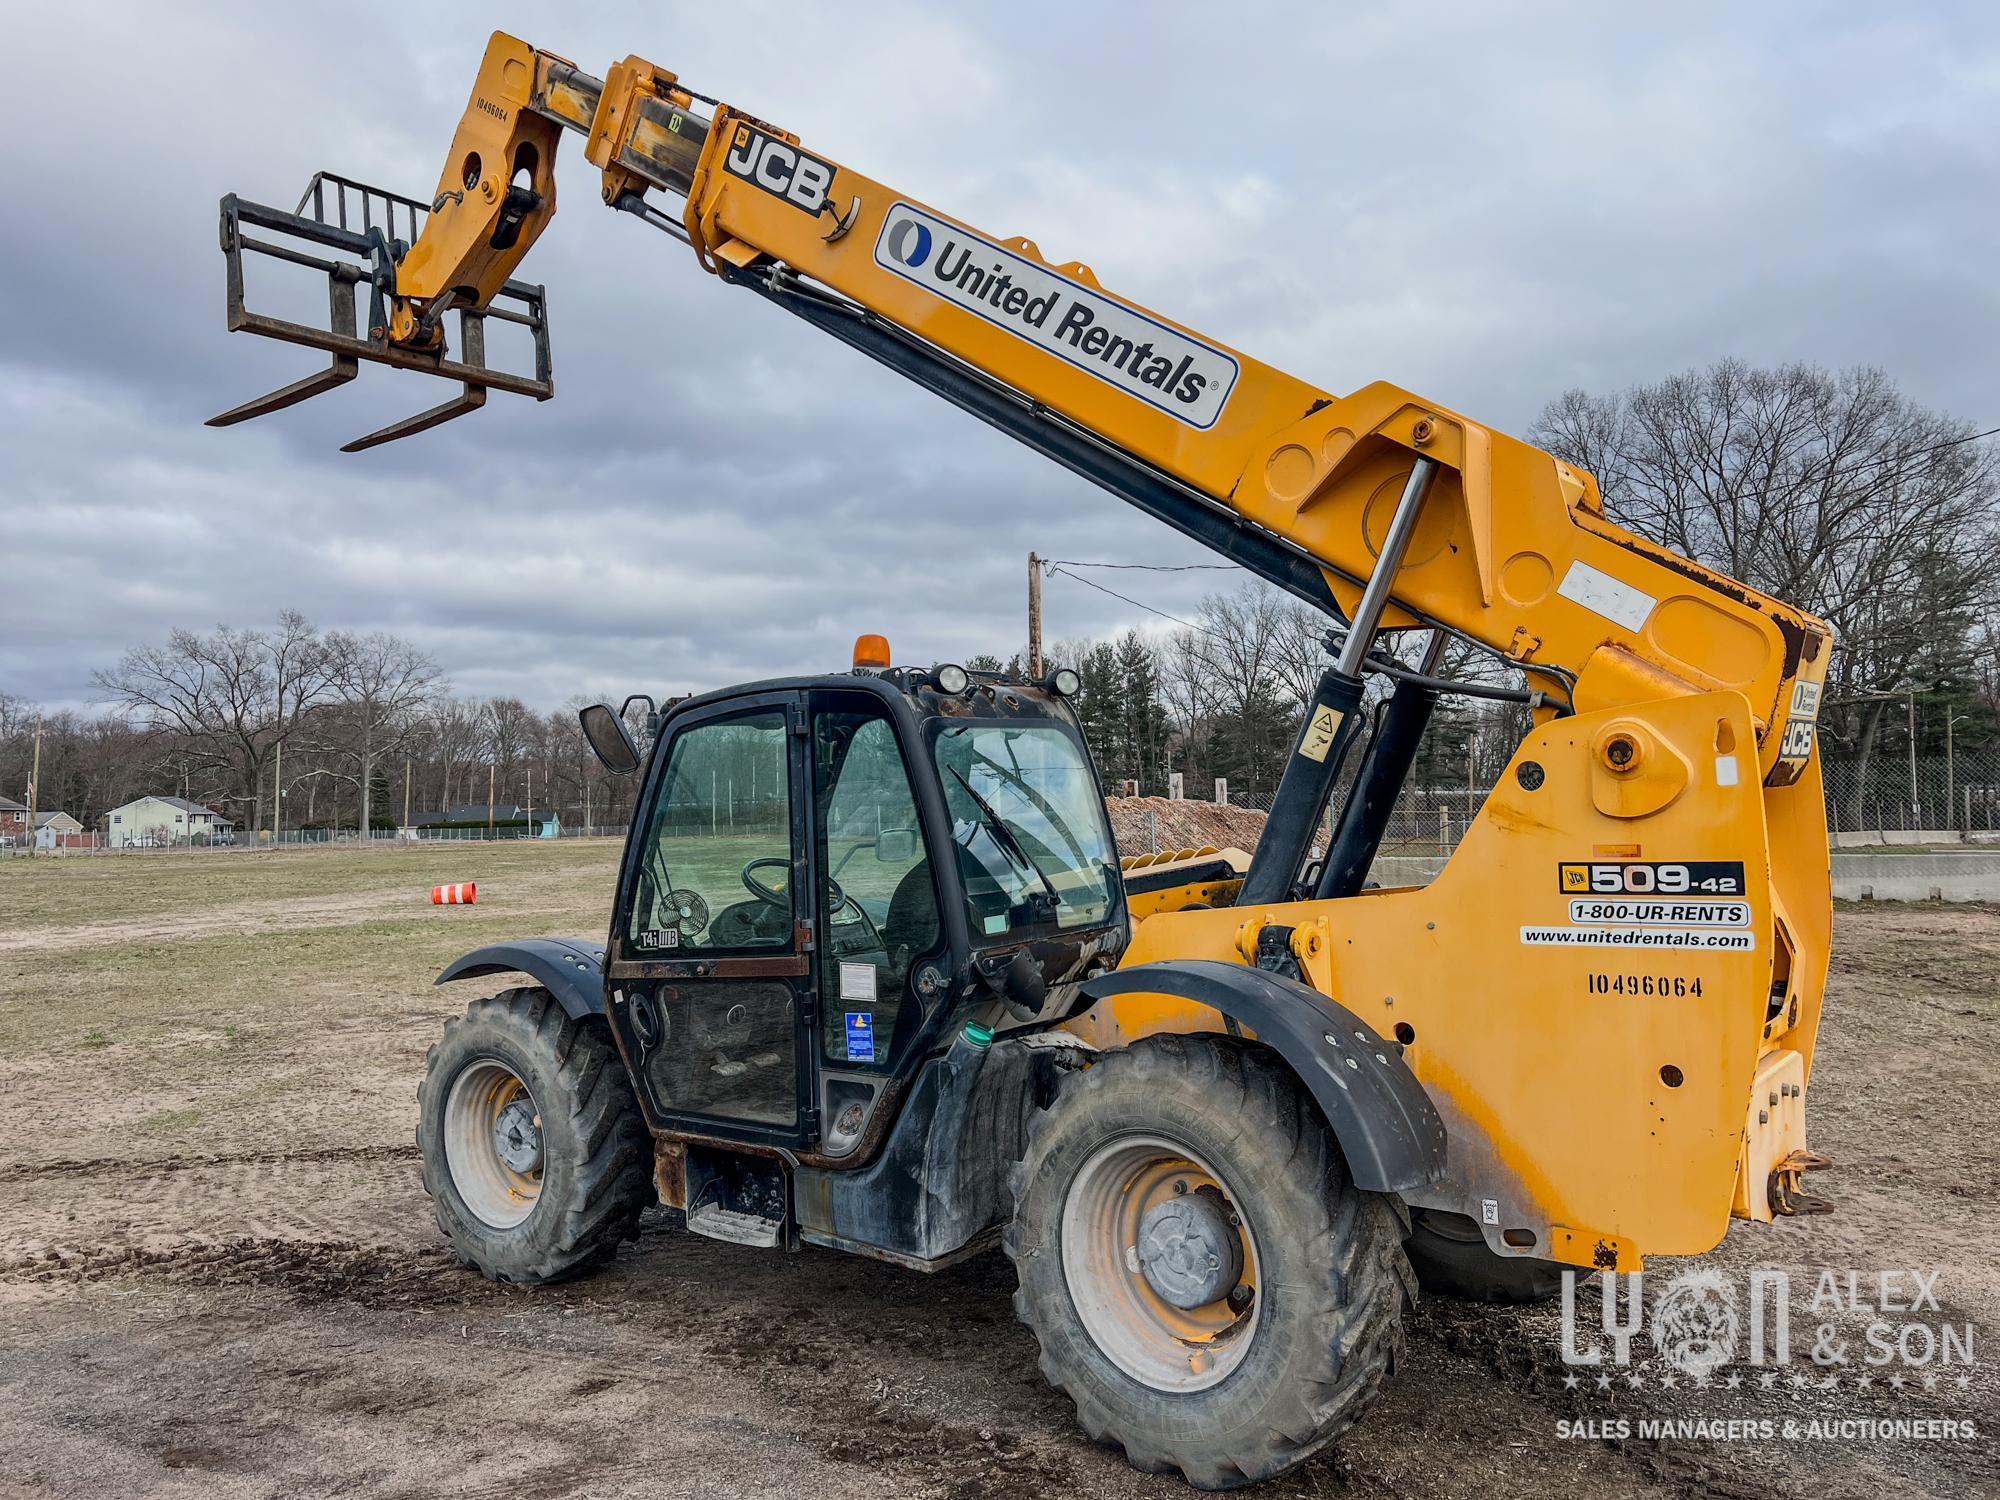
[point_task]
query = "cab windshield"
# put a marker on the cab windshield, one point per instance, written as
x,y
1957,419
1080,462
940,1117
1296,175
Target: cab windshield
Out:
x,y
1029,826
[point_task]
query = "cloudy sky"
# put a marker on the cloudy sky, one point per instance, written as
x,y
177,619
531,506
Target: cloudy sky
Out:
x,y
1486,203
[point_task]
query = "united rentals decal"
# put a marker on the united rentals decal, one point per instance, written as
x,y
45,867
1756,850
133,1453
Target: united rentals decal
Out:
x,y
1185,378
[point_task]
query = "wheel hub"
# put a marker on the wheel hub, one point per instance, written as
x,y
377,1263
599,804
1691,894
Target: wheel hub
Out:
x,y
1189,1251
517,1137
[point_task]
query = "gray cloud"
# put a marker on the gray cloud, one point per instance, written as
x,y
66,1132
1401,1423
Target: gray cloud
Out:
x,y
1482,206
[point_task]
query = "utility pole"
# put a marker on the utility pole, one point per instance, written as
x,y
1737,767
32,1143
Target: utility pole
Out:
x,y
1034,615
531,799
406,792
34,786
489,801
1951,773
1916,804
278,798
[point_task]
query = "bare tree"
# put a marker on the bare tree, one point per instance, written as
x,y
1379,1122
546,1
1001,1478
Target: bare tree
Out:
x,y
1298,647
453,737
1832,490
228,699
385,685
1239,645
510,727
1190,694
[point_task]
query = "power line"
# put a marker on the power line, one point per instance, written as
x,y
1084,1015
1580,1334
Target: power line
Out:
x,y
1387,666
1069,562
1055,568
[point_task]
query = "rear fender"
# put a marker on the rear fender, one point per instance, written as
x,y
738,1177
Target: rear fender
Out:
x,y
571,970
1387,1127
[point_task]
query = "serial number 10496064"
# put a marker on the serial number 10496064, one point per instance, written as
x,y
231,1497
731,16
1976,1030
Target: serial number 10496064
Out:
x,y
1644,984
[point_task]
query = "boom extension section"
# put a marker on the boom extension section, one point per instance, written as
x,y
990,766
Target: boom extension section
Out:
x,y
1503,545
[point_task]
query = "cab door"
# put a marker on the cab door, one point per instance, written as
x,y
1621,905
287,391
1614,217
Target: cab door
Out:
x,y
711,972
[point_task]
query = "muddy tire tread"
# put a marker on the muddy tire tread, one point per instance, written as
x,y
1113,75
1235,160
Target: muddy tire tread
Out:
x,y
601,1201
1352,1242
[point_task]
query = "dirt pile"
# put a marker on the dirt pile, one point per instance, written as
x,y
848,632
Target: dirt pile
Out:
x,y
1146,825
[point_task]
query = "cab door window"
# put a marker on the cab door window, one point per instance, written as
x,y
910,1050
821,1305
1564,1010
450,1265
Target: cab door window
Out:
x,y
716,861
878,896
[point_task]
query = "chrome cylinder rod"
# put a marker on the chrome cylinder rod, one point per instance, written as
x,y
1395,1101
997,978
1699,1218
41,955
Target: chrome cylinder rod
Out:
x,y
1375,593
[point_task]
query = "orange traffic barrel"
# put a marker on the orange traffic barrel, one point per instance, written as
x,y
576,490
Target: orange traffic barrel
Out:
x,y
462,894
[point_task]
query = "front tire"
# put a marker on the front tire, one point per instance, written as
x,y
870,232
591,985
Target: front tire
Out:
x,y
1188,1168
534,1152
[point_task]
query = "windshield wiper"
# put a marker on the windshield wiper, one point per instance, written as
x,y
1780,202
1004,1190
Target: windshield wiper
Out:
x,y
1004,836
1019,781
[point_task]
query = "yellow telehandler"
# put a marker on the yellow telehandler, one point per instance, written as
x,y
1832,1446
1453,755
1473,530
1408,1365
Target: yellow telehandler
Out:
x,y
874,979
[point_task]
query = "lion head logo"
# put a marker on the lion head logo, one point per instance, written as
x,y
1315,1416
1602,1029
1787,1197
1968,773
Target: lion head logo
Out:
x,y
1694,1323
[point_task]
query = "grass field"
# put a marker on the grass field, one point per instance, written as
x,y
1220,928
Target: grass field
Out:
x,y
219,1274
179,988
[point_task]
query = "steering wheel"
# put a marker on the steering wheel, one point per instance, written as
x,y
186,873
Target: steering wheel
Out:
x,y
770,895
838,900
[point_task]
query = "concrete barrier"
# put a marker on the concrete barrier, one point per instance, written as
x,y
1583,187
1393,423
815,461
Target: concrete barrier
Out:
x,y
1952,875
1956,875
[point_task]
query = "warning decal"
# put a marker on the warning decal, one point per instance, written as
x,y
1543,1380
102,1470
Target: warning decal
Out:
x,y
1319,734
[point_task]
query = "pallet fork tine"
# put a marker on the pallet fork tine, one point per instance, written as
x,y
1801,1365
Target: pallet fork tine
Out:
x,y
340,296
472,395
374,254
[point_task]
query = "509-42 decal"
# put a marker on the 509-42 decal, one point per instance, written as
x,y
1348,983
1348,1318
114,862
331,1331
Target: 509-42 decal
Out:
x,y
1699,877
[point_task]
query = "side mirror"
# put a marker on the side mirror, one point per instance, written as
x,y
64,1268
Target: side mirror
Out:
x,y
610,740
896,846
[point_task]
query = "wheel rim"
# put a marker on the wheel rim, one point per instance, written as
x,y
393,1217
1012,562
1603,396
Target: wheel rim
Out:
x,y
493,1143
1125,1240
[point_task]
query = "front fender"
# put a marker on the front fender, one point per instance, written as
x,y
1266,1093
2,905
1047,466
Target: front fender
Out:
x,y
1387,1127
571,970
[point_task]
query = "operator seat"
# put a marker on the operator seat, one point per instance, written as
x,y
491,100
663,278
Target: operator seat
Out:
x,y
911,926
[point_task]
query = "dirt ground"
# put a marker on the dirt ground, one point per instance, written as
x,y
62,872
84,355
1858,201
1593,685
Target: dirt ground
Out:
x,y
220,1277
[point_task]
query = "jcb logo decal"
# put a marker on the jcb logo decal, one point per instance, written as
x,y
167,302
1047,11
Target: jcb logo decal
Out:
x,y
779,168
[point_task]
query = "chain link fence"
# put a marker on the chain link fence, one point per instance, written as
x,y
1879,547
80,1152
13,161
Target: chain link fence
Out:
x,y
1933,798
1424,821
1938,800
90,844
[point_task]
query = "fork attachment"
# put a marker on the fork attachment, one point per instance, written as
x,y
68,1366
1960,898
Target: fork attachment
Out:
x,y
362,234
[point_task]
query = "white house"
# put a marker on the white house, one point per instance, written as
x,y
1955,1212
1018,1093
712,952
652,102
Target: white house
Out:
x,y
154,822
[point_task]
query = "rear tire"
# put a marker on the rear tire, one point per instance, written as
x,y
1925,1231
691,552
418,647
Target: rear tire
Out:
x,y
1187,1118
1452,1260
534,1152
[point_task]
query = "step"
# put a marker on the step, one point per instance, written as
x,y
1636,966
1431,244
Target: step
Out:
x,y
720,1223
